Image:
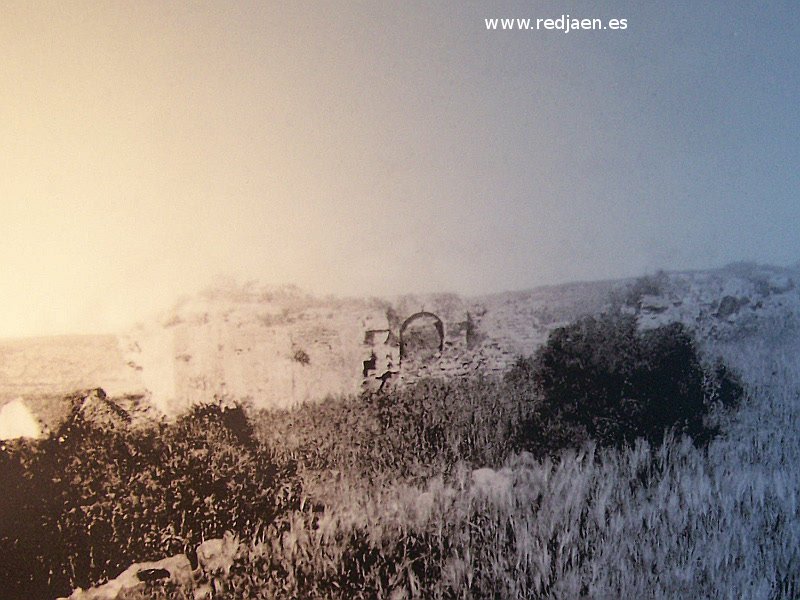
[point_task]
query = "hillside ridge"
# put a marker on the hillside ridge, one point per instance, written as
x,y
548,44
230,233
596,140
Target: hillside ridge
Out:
x,y
279,347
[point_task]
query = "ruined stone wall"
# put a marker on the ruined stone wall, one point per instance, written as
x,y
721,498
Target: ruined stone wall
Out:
x,y
267,355
276,350
279,352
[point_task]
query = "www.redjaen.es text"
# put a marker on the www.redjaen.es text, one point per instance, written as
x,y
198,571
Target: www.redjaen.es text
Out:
x,y
564,23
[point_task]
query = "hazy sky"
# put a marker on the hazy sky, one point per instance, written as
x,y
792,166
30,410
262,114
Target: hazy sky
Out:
x,y
356,147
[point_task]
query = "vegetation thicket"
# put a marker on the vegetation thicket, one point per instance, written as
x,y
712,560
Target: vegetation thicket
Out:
x,y
601,379
612,463
89,500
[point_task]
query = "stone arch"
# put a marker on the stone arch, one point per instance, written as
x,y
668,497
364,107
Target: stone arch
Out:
x,y
420,334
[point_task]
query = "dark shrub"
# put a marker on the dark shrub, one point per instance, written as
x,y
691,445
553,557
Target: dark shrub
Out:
x,y
601,379
88,501
300,356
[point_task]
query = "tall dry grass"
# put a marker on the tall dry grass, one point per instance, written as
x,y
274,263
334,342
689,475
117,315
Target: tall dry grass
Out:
x,y
674,522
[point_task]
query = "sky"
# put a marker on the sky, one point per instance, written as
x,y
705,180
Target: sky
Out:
x,y
378,148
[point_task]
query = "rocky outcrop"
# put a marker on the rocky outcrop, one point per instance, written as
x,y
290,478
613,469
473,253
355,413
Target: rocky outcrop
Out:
x,y
17,420
175,569
724,304
729,306
491,483
97,408
215,558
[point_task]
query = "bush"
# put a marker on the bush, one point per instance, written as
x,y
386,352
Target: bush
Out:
x,y
601,379
88,501
300,356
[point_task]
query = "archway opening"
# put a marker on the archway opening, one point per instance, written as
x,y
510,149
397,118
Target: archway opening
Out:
x,y
421,337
